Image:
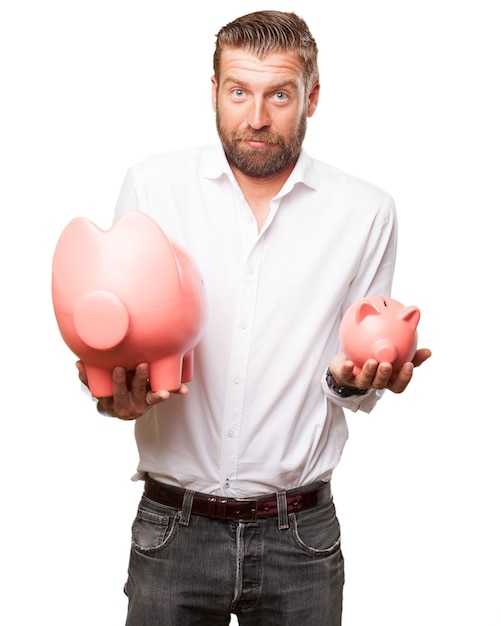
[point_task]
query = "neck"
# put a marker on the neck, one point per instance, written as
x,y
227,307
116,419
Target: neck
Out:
x,y
259,192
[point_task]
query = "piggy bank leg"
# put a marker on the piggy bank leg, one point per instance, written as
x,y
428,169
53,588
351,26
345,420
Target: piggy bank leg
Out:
x,y
99,379
187,372
166,373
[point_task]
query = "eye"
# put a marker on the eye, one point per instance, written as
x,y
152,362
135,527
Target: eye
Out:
x,y
238,93
281,96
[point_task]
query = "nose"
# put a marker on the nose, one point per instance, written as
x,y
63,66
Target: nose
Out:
x,y
258,117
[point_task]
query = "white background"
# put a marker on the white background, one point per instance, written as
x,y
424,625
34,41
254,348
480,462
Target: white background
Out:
x,y
410,101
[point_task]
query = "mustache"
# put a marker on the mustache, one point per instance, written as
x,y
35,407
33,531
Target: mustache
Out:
x,y
257,135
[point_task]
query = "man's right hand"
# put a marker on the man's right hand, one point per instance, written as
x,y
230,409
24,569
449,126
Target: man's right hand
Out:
x,y
132,394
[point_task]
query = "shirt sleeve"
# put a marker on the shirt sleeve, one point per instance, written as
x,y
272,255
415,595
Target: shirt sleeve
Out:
x,y
376,270
127,198
375,277
363,403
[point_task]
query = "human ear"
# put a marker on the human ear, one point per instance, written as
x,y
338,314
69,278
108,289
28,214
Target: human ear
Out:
x,y
313,99
214,93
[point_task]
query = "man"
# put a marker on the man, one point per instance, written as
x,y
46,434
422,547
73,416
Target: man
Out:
x,y
237,515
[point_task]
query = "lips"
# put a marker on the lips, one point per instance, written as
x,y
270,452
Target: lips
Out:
x,y
258,143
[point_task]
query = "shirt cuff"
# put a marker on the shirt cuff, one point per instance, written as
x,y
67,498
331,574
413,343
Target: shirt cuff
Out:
x,y
363,403
99,408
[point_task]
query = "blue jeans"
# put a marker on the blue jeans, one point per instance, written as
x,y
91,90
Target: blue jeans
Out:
x,y
284,570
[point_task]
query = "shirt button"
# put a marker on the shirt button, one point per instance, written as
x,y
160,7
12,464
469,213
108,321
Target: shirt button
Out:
x,y
243,324
227,483
236,379
231,433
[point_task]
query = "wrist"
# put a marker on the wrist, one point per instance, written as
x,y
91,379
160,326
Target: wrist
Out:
x,y
340,390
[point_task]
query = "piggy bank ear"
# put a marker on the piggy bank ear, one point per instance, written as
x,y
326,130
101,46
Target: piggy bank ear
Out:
x,y
411,315
364,309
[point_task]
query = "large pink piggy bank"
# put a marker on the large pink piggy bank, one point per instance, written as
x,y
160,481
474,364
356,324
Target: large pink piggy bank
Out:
x,y
379,328
126,296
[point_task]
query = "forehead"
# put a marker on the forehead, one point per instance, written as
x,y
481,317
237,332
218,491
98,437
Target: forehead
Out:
x,y
237,63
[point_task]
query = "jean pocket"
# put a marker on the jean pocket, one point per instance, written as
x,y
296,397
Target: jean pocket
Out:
x,y
317,531
154,526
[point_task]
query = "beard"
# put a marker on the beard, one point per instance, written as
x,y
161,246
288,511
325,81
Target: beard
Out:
x,y
261,162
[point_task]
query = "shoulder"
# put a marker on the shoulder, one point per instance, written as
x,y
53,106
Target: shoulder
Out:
x,y
173,163
340,188
345,180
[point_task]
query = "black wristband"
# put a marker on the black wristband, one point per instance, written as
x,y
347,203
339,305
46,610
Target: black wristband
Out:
x,y
343,392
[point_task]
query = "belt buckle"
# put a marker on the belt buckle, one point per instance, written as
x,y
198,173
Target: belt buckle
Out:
x,y
253,511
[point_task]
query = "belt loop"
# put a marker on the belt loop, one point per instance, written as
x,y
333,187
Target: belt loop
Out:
x,y
283,520
184,519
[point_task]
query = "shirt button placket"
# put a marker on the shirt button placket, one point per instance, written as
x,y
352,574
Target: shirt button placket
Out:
x,y
239,360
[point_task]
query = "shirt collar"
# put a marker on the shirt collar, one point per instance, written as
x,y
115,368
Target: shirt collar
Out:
x,y
214,165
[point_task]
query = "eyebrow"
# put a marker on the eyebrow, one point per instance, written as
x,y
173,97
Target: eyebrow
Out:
x,y
281,85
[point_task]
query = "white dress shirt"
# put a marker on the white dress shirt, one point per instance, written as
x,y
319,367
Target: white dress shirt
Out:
x,y
258,416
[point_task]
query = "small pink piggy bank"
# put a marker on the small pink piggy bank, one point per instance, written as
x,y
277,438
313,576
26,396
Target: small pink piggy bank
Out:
x,y
126,296
379,328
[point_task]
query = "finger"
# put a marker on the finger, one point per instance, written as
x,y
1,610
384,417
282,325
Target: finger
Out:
x,y
402,379
183,389
421,356
373,375
382,376
152,398
82,373
161,395
342,370
365,378
119,387
139,385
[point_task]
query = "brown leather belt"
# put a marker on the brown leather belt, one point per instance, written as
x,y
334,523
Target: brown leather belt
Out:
x,y
233,509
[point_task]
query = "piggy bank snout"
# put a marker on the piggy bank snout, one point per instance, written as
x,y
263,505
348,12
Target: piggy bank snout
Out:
x,y
384,351
101,320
